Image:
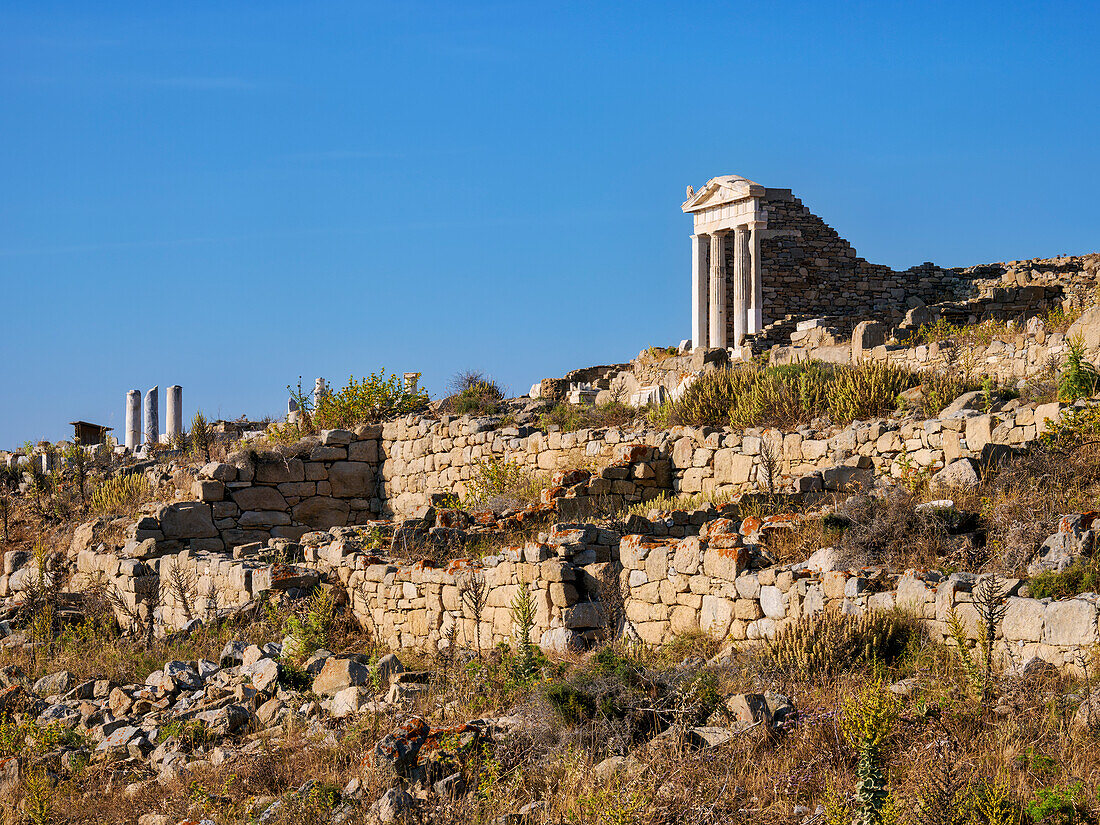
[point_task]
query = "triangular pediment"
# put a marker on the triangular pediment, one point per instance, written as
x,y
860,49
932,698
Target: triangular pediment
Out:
x,y
725,189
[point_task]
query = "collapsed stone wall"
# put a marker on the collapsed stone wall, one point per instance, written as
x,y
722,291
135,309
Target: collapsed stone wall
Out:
x,y
809,270
704,584
719,582
1007,357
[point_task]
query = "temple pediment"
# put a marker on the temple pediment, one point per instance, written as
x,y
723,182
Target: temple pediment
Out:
x,y
721,190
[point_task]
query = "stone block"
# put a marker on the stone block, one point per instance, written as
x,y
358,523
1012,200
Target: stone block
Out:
x,y
274,469
747,610
688,556
187,520
218,471
683,620
1071,622
725,562
773,602
263,518
351,479
207,489
715,616
259,498
1023,620
321,512
321,453
732,467
363,451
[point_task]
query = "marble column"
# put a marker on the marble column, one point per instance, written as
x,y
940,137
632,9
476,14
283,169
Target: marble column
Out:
x,y
756,303
717,295
742,284
152,416
133,419
699,299
174,411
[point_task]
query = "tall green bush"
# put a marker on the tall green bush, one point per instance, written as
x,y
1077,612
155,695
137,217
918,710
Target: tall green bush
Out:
x,y
376,397
753,396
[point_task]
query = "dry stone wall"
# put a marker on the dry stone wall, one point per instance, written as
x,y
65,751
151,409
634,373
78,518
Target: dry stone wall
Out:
x,y
713,582
417,460
678,586
809,270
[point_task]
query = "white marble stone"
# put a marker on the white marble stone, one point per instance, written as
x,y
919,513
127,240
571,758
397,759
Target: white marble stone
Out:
x,y
174,411
152,416
133,419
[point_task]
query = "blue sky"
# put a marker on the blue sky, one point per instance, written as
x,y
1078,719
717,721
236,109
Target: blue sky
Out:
x,y
229,195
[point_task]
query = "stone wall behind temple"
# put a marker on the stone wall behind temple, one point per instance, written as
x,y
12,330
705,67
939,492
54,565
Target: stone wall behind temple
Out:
x,y
808,269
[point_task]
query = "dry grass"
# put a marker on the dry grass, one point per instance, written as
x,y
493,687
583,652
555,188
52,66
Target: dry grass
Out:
x,y
759,777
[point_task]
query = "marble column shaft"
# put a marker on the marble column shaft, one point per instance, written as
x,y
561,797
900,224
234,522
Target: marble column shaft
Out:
x,y
699,291
152,416
133,419
717,295
742,284
174,411
756,303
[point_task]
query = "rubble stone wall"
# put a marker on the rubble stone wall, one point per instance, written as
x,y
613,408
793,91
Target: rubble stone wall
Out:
x,y
678,586
808,269
673,586
256,501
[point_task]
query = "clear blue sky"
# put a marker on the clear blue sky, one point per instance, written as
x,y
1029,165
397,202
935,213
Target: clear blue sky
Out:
x,y
229,195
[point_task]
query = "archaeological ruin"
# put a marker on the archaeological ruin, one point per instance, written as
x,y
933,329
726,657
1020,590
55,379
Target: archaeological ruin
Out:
x,y
761,261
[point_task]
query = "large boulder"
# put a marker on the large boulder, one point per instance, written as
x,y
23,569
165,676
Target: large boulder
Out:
x,y
396,752
322,512
1087,328
961,474
351,479
187,520
338,674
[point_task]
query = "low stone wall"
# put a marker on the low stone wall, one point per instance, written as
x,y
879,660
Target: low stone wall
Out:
x,y
711,582
1007,359
263,496
703,583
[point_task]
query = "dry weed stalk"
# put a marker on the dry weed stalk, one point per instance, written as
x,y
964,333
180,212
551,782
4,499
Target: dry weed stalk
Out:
x,y
474,594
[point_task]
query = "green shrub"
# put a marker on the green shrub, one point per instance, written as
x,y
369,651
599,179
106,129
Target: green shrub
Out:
x,y
1073,428
1060,805
572,417
707,401
754,396
1080,577
481,397
572,704
829,643
313,630
1079,377
941,388
374,398
120,494
869,390
501,484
